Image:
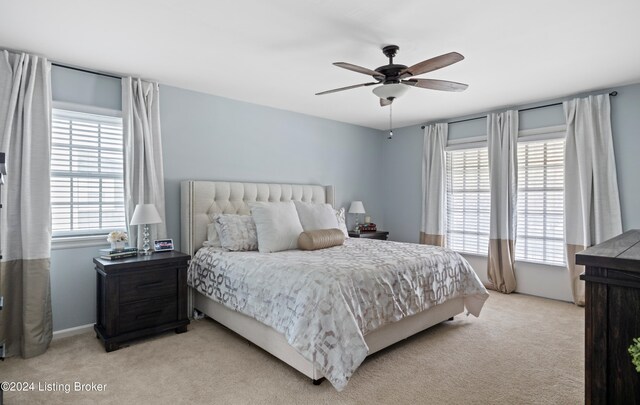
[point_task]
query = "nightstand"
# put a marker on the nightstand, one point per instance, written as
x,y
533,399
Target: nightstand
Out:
x,y
140,296
382,235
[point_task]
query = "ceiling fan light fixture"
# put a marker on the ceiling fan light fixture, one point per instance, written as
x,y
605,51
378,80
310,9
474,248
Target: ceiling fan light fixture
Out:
x,y
392,90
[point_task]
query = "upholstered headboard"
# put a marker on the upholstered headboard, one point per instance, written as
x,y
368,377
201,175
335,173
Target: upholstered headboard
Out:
x,y
200,199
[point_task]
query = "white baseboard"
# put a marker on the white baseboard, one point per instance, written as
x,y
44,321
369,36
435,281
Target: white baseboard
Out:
x,y
59,334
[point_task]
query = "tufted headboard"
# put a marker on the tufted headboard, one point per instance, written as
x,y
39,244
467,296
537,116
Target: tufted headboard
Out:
x,y
199,199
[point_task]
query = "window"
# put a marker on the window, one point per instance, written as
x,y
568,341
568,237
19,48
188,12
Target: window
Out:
x,y
468,200
541,202
87,193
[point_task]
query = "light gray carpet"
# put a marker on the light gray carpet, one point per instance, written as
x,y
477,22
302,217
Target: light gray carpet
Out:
x,y
522,350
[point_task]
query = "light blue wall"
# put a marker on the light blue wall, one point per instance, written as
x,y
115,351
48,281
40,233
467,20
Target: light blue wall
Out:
x,y
402,164
213,138
625,125
208,137
73,278
74,86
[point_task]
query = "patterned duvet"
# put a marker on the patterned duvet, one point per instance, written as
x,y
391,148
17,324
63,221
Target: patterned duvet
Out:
x,y
325,301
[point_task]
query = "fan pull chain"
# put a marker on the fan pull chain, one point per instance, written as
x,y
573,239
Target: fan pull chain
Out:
x,y
390,122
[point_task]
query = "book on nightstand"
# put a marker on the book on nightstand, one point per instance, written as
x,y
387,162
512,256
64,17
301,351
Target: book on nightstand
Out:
x,y
111,254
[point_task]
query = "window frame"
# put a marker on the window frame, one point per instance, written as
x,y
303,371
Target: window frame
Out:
x,y
72,241
528,135
474,144
552,133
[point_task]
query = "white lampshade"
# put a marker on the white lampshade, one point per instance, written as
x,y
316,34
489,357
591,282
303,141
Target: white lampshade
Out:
x,y
356,208
145,214
391,90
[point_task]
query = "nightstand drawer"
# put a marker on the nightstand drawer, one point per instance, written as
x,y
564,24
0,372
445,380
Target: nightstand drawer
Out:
x,y
144,314
149,284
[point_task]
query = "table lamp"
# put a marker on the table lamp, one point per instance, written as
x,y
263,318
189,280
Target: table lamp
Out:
x,y
356,208
145,214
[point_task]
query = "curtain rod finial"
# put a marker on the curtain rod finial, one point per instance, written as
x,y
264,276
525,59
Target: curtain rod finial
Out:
x,y
613,93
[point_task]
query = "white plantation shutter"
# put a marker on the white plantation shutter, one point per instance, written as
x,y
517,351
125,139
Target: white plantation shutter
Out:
x,y
87,193
540,202
468,200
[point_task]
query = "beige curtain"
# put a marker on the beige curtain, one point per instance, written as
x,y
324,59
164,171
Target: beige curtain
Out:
x,y
143,172
591,201
502,142
432,229
25,217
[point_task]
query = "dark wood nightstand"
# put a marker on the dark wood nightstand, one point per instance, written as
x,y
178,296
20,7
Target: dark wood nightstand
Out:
x,y
382,235
140,296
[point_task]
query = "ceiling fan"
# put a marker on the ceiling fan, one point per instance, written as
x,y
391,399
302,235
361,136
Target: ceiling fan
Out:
x,y
395,79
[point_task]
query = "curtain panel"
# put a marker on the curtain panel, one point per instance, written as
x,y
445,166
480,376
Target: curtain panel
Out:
x,y
591,200
502,142
25,217
143,169
434,211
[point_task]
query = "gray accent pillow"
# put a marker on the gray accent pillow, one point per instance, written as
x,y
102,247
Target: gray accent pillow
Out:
x,y
236,232
213,240
342,222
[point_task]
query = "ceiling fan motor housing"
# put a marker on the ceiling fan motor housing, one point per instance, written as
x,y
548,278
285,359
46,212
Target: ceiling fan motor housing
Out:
x,y
390,71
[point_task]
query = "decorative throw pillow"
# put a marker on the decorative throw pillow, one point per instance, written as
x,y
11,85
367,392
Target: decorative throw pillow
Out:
x,y
342,222
213,240
316,216
277,224
320,239
236,232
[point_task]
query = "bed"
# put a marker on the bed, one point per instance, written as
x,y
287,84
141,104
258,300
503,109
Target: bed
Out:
x,y
333,351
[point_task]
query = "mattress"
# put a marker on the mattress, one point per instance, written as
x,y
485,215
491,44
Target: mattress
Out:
x,y
324,302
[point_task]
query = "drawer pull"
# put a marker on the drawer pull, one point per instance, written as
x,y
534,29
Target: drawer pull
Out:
x,y
147,285
148,315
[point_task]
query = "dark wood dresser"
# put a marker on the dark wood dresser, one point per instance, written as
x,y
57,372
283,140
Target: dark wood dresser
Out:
x,y
612,320
140,296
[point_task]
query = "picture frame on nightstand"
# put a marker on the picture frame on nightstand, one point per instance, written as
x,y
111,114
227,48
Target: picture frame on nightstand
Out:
x,y
163,245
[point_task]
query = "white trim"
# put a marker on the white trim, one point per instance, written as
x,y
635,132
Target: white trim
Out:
x,y
72,242
471,139
472,142
88,109
526,135
77,330
542,134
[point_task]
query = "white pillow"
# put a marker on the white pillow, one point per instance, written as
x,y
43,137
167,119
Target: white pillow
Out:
x,y
237,232
277,224
213,240
316,216
342,222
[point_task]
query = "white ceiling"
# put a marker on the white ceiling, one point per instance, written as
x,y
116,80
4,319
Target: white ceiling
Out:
x,y
279,52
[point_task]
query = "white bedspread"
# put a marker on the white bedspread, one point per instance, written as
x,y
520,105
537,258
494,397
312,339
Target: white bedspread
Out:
x,y
325,301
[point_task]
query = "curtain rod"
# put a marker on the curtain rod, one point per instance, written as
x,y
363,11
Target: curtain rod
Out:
x,y
612,94
85,70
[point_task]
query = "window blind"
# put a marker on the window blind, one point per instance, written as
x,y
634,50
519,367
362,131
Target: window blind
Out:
x,y
468,200
87,193
541,202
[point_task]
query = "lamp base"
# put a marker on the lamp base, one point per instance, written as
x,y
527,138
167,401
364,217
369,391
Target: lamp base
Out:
x,y
146,248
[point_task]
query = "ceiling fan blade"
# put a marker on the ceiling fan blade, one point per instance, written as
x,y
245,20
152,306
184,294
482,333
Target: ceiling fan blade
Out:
x,y
360,69
434,84
346,88
432,64
385,102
